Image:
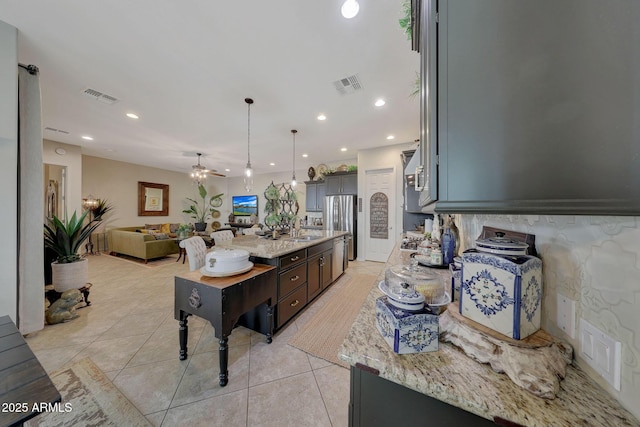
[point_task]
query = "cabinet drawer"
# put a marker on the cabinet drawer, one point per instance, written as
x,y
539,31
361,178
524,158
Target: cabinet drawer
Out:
x,y
290,305
320,247
289,280
292,258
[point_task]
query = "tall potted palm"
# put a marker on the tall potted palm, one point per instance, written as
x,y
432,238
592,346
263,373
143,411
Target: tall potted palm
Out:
x,y
201,211
64,238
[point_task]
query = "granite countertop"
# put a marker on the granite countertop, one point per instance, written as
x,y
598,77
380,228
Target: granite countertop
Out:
x,y
262,247
451,376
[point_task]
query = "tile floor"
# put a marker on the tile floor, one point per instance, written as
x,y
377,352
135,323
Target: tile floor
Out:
x,y
130,333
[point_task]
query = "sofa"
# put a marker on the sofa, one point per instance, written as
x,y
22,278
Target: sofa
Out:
x,y
141,242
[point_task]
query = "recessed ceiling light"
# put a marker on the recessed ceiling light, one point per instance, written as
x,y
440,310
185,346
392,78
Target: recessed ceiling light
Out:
x,y
343,149
227,170
391,137
132,116
305,155
322,117
380,102
350,8
87,137
272,164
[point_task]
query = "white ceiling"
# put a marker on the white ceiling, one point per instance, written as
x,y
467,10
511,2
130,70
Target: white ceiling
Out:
x,y
185,67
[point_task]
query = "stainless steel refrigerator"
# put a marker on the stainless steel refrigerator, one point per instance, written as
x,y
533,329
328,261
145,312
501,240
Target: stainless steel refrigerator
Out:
x,y
340,214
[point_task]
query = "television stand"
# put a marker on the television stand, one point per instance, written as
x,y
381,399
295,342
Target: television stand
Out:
x,y
239,224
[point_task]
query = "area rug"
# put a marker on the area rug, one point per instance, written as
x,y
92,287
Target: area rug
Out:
x,y
157,262
323,334
88,399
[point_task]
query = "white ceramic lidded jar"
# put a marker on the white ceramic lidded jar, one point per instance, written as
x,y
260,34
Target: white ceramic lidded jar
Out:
x,y
501,287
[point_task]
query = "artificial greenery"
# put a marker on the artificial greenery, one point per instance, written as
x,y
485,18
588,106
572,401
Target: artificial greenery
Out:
x,y
405,21
201,211
64,238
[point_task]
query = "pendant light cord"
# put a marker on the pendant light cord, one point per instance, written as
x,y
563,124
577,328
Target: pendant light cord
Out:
x,y
249,101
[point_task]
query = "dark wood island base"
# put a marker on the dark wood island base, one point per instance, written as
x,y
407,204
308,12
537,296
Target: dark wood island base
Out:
x,y
222,301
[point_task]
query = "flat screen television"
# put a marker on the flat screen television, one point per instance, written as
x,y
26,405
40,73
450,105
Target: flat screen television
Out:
x,y
244,205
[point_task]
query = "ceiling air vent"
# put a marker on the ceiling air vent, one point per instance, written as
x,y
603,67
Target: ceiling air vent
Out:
x,y
99,96
56,130
348,85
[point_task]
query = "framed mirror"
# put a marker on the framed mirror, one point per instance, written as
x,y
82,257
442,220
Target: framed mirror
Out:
x,y
54,190
153,199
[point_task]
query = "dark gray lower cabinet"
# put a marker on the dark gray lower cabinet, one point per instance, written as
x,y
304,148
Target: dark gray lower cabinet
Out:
x,y
377,402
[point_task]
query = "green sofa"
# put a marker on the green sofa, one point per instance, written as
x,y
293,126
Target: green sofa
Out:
x,y
128,241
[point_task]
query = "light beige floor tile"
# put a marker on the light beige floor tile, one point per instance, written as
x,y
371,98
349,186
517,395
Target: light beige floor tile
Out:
x,y
128,299
135,324
294,401
156,418
229,410
54,358
333,382
277,360
208,342
113,354
151,387
201,379
318,363
164,343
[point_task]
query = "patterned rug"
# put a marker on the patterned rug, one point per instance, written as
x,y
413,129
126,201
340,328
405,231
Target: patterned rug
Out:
x,y
323,334
91,399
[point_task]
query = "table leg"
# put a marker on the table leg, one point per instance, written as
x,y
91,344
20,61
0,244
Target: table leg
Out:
x,y
224,360
184,334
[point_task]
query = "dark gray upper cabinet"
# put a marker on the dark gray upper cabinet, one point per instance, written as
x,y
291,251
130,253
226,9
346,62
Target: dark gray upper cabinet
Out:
x,y
315,196
342,183
538,106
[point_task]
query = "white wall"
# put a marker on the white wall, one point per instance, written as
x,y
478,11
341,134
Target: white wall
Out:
x,y
118,183
72,160
9,169
380,158
595,261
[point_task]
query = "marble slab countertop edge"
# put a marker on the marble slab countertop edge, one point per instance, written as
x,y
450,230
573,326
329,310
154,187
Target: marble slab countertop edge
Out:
x,y
266,248
451,376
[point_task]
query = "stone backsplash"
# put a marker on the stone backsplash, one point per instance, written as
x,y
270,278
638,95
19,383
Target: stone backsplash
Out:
x,y
595,261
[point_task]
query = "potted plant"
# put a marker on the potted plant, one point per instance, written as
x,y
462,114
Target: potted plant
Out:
x,y
183,231
64,238
200,211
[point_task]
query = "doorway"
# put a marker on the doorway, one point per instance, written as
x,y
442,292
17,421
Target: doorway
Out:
x,y
379,213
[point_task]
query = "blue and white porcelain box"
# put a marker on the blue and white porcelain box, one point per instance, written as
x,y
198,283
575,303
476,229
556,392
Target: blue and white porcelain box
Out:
x,y
407,331
501,292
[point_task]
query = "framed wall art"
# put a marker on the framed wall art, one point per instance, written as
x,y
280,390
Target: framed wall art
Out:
x,y
153,199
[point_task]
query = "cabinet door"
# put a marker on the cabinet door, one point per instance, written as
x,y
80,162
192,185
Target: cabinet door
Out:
x,y
314,285
350,184
311,203
321,191
326,264
333,184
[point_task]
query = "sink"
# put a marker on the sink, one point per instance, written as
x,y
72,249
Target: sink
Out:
x,y
303,238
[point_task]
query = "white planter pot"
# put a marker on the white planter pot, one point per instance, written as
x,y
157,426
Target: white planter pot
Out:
x,y
73,275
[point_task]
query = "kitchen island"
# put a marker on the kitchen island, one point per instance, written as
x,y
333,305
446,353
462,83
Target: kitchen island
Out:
x,y
447,387
304,268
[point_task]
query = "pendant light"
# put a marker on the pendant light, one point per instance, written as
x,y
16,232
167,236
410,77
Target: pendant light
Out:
x,y
198,172
248,172
293,177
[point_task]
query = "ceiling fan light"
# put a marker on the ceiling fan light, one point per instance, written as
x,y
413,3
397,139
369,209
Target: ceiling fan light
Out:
x,y
350,9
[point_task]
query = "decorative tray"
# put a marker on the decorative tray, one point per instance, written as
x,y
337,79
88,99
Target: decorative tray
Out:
x,y
425,261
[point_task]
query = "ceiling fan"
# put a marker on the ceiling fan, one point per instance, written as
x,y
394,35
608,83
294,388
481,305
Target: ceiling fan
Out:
x,y
200,172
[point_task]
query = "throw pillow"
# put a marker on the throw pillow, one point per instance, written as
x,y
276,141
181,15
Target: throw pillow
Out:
x,y
173,227
160,236
153,226
165,228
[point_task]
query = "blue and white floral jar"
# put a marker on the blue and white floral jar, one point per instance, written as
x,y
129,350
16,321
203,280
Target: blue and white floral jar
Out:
x,y
502,292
